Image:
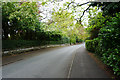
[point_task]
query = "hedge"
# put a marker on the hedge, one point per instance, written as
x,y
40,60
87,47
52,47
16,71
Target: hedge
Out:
x,y
14,44
110,56
91,45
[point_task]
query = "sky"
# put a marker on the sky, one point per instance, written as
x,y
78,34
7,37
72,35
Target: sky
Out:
x,y
47,9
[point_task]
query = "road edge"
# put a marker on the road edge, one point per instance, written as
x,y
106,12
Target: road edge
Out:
x,y
70,68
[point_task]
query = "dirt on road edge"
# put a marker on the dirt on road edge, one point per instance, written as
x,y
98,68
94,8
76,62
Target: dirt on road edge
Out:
x,y
104,67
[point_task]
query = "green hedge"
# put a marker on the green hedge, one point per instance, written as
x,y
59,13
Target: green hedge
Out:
x,y
106,43
14,44
91,45
110,56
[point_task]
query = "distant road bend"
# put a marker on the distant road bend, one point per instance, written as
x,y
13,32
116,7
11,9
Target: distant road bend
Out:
x,y
61,62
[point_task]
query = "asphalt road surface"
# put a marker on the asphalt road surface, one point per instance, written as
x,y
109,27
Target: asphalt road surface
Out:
x,y
62,62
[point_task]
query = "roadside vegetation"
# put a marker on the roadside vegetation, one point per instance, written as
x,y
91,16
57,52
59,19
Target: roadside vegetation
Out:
x,y
104,40
23,25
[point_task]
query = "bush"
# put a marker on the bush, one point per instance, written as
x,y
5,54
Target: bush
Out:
x,y
14,44
111,58
107,44
91,45
110,41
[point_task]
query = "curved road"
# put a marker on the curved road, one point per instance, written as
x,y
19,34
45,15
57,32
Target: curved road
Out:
x,y
52,63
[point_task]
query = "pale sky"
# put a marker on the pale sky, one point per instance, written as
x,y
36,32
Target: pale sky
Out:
x,y
47,9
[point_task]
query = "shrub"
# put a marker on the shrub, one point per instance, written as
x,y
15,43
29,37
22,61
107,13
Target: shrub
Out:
x,y
107,44
14,44
91,45
111,58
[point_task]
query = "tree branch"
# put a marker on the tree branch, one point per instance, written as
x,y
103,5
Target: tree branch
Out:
x,y
84,13
79,5
83,3
43,18
69,4
76,4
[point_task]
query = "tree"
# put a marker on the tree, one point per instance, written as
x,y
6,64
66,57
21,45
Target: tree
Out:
x,y
19,19
64,21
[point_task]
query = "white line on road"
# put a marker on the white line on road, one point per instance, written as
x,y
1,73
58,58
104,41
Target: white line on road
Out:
x,y
69,73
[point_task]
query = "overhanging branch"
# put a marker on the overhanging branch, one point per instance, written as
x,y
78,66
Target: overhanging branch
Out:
x,y
84,13
83,4
77,4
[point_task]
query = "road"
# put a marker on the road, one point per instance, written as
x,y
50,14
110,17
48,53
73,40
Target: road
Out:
x,y
59,62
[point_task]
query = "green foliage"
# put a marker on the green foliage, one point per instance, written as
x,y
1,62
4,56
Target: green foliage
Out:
x,y
95,23
108,41
22,28
111,58
108,8
15,44
19,18
43,3
63,21
91,45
